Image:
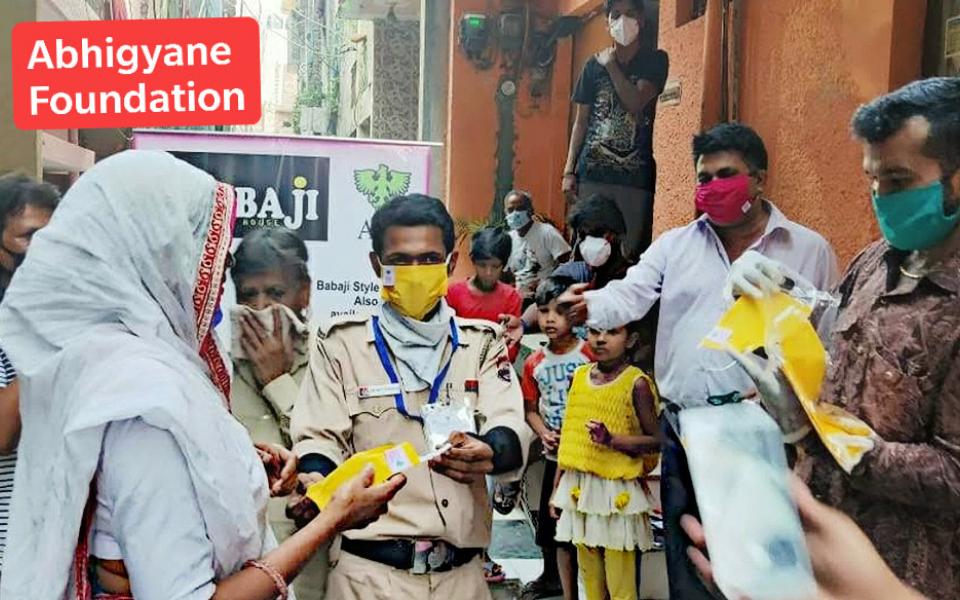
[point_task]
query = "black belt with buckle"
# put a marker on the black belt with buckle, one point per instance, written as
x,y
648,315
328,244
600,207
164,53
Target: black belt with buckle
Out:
x,y
401,554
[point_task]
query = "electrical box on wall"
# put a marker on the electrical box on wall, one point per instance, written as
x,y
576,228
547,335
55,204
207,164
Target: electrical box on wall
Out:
x,y
474,35
511,31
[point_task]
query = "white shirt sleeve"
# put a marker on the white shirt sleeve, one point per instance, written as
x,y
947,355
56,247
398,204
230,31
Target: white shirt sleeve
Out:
x,y
555,243
828,274
629,299
515,263
144,482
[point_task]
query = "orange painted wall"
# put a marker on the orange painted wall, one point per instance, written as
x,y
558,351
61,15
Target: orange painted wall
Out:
x,y
592,37
471,128
540,123
801,84
542,139
577,7
677,124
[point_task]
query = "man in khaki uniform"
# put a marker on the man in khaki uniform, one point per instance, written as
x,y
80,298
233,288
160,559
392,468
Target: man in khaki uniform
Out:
x,y
270,348
368,383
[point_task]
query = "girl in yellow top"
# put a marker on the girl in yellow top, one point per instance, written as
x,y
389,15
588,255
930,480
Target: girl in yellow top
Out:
x,y
608,444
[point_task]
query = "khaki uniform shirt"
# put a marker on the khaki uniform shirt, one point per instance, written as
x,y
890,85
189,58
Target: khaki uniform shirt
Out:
x,y
334,419
266,413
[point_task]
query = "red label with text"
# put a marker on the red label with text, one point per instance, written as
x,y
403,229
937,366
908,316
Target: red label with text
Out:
x,y
165,72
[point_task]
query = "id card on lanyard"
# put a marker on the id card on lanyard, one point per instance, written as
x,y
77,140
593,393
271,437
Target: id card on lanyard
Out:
x,y
384,355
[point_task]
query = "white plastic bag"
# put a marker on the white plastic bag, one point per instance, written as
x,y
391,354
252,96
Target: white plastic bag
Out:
x,y
739,472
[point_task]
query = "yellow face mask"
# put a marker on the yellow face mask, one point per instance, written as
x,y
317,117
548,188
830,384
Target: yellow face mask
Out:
x,y
414,290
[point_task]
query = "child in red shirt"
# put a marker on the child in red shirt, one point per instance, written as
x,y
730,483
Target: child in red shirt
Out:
x,y
484,296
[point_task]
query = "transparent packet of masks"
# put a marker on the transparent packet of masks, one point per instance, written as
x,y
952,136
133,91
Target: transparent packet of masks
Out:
x,y
445,417
824,306
753,532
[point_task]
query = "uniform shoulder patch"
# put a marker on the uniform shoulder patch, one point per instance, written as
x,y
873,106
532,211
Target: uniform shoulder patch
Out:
x,y
480,324
504,368
328,326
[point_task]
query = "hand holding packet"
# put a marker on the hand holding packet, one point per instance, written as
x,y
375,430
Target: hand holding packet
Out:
x,y
781,325
739,473
387,461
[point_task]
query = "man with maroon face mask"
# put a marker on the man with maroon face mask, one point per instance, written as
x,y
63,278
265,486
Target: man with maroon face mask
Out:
x,y
686,269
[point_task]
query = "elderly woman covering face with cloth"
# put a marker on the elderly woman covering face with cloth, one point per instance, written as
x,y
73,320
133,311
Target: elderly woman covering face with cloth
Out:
x,y
135,481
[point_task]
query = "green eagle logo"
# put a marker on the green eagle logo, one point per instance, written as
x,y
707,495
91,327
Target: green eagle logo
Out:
x,y
381,184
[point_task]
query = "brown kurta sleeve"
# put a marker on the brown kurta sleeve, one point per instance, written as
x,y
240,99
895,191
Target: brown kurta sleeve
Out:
x,y
926,475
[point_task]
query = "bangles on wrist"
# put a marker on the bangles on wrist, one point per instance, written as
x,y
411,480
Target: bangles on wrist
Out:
x,y
278,581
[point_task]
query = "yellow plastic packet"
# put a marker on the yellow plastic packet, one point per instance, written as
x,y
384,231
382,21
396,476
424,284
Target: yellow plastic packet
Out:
x,y
781,325
387,461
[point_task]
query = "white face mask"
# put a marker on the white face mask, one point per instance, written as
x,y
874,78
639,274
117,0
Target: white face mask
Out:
x,y
595,251
625,30
518,219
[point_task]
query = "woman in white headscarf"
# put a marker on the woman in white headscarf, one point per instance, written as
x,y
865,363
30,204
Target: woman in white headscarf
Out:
x,y
134,480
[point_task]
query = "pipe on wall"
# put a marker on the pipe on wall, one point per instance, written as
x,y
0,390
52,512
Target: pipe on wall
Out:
x,y
722,62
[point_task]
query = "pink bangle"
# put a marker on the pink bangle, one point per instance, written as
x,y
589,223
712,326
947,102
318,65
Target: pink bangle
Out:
x,y
278,581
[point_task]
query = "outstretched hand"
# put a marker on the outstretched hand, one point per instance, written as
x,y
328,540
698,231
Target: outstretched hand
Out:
x,y
281,467
359,503
776,396
576,303
468,460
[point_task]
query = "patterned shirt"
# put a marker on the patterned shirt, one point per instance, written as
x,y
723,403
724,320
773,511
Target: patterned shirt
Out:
x,y
7,463
546,381
618,147
896,365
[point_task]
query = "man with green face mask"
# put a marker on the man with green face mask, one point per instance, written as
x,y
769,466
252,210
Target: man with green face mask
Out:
x,y
895,346
412,372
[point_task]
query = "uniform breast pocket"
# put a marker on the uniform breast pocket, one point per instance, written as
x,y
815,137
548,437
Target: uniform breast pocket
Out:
x,y
363,405
893,403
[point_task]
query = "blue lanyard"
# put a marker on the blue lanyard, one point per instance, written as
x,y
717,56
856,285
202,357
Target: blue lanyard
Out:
x,y
384,355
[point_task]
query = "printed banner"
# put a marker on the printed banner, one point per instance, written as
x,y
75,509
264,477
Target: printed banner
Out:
x,y
139,73
325,189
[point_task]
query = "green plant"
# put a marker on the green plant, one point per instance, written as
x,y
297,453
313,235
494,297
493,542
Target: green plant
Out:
x,y
465,228
308,96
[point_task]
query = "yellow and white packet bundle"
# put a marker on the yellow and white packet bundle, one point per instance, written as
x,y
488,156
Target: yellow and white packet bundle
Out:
x,y
781,325
387,461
